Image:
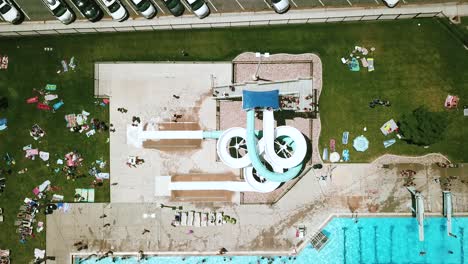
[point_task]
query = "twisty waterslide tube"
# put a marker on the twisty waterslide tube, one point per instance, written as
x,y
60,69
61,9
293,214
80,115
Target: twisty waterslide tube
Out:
x,y
269,138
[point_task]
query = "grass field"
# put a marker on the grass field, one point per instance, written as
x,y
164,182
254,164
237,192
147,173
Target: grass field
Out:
x,y
415,65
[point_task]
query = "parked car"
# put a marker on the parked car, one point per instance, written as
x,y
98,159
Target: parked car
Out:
x,y
60,10
280,6
89,9
175,7
116,10
199,7
391,3
9,12
145,7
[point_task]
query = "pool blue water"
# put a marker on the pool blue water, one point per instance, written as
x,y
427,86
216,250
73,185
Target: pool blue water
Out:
x,y
370,240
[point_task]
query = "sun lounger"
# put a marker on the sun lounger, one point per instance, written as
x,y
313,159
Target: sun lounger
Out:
x,y
211,219
371,64
177,218
184,219
51,87
204,219
32,100
343,60
197,219
191,216
219,218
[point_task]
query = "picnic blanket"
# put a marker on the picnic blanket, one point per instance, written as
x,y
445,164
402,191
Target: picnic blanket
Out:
x,y
371,64
102,175
44,155
31,153
44,185
354,65
81,119
71,120
388,143
85,195
50,97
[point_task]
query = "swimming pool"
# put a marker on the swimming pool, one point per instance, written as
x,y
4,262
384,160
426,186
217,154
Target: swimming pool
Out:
x,y
370,240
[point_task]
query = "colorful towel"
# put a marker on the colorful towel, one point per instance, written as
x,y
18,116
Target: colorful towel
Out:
x,y
371,64
345,137
32,100
51,87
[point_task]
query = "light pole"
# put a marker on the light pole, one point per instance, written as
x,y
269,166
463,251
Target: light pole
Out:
x,y
259,56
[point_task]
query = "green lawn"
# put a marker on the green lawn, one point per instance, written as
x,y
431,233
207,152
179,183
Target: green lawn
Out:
x,y
414,66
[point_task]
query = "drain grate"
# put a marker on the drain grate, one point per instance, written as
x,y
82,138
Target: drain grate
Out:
x,y
319,240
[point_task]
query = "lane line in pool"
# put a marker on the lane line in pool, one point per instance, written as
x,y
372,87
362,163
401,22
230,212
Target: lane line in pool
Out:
x,y
462,251
360,243
376,260
391,243
344,244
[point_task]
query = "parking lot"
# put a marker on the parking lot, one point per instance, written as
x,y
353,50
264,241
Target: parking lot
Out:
x,y
37,11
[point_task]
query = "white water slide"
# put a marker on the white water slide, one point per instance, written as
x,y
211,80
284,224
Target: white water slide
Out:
x,y
282,148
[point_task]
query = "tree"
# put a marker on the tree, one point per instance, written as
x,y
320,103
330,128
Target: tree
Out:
x,y
422,127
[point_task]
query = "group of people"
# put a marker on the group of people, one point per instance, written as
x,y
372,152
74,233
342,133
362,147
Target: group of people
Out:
x,y
36,132
409,177
25,219
2,184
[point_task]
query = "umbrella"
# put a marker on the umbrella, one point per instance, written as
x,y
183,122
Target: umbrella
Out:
x,y
361,143
335,157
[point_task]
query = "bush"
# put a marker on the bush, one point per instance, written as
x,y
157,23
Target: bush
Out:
x,y
422,127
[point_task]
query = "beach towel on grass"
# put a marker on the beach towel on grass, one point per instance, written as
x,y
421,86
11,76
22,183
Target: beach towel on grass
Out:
x,y
51,87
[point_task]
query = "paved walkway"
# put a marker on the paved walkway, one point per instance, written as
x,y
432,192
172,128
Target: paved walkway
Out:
x,y
236,19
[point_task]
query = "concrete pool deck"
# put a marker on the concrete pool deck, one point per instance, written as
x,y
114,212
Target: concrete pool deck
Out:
x,y
146,90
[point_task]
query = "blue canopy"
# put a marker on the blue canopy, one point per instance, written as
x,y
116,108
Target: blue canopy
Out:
x,y
263,99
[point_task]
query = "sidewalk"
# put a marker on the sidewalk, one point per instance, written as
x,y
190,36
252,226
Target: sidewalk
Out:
x,y
238,19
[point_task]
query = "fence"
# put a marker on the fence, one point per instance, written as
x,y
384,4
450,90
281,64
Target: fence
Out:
x,y
217,22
